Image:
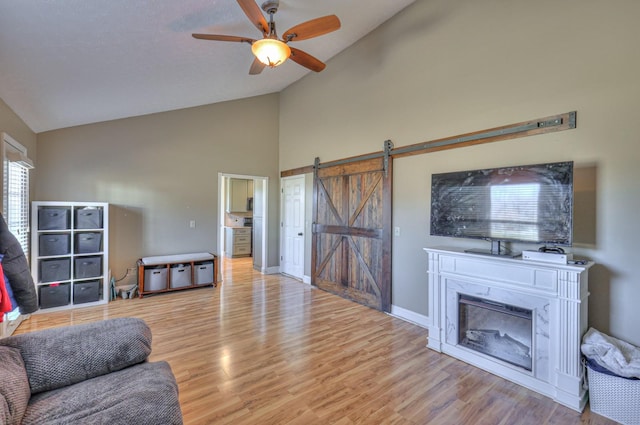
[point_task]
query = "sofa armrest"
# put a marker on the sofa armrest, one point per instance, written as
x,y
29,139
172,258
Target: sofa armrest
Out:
x,y
59,357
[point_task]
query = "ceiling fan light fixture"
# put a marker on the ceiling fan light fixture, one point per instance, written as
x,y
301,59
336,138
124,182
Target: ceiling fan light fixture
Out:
x,y
270,51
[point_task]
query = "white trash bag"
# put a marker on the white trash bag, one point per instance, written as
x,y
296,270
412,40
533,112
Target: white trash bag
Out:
x,y
613,354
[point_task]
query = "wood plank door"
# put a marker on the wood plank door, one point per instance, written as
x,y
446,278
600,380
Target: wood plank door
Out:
x,y
351,242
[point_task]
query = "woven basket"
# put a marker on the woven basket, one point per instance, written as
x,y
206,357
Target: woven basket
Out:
x,y
614,397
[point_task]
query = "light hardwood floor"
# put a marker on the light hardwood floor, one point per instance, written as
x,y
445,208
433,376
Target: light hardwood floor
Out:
x,y
271,350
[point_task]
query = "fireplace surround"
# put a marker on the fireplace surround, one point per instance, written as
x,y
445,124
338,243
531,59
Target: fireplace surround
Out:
x,y
517,319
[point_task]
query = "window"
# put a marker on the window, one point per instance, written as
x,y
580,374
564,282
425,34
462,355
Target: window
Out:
x,y
508,221
15,199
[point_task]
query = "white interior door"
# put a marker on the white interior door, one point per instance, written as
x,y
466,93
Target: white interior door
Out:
x,y
292,260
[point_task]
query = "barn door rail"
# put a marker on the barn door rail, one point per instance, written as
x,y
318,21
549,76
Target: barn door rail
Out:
x,y
560,122
529,128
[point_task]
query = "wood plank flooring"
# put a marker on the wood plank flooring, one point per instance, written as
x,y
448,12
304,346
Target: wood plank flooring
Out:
x,y
271,350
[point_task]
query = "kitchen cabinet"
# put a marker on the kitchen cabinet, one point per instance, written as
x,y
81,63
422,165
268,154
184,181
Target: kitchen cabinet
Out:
x,y
237,241
238,193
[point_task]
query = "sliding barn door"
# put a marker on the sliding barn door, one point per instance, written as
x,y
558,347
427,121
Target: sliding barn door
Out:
x,y
351,245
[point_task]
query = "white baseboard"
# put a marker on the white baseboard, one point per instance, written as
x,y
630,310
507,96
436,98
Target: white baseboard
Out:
x,y
272,270
306,279
410,316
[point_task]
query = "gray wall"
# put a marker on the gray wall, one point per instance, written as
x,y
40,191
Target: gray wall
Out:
x,y
160,171
443,68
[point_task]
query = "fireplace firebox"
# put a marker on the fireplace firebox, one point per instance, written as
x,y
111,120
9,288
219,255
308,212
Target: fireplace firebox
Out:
x,y
496,329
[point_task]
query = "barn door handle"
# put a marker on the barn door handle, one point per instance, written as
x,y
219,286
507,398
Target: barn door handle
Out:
x,y
300,234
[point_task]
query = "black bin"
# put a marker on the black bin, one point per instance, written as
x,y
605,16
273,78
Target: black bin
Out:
x,y
86,292
88,242
53,218
54,295
55,269
53,244
85,267
89,218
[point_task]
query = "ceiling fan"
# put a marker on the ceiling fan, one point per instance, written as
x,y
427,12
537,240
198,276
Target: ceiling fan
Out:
x,y
269,50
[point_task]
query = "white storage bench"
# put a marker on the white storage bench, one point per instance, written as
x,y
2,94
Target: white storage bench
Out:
x,y
165,273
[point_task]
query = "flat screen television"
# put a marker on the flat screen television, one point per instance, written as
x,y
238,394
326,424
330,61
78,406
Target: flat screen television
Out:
x,y
525,203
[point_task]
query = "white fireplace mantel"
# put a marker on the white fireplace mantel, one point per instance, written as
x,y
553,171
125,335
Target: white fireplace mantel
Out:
x,y
557,295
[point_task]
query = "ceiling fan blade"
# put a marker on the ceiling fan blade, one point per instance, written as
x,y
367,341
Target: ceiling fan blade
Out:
x,y
312,28
252,10
217,37
306,60
256,67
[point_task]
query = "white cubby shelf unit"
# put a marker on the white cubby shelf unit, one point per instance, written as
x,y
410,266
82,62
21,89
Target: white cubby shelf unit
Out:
x,y
70,253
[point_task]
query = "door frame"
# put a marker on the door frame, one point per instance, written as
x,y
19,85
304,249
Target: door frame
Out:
x,y
222,188
282,225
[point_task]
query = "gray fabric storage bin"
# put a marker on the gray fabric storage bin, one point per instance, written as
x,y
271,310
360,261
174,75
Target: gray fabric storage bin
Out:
x,y
87,267
88,218
55,269
86,292
180,276
88,242
155,278
54,295
203,273
53,244
53,218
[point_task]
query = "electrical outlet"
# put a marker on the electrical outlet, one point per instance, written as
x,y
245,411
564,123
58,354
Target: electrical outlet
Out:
x,y
396,231
192,224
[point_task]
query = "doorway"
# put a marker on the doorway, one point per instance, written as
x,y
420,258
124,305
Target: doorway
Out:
x,y
252,215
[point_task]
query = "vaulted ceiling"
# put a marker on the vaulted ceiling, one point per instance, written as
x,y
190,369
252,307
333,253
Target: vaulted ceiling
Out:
x,y
71,62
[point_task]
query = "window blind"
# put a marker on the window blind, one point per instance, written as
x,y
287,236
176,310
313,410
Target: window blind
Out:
x,y
17,202
15,197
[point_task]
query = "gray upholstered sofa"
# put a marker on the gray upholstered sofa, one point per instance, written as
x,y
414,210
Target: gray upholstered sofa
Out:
x,y
94,373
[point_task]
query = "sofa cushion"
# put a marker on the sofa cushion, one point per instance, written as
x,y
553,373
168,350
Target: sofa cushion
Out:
x,y
145,394
63,356
14,386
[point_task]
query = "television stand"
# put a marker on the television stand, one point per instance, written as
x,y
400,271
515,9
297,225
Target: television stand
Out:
x,y
496,249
